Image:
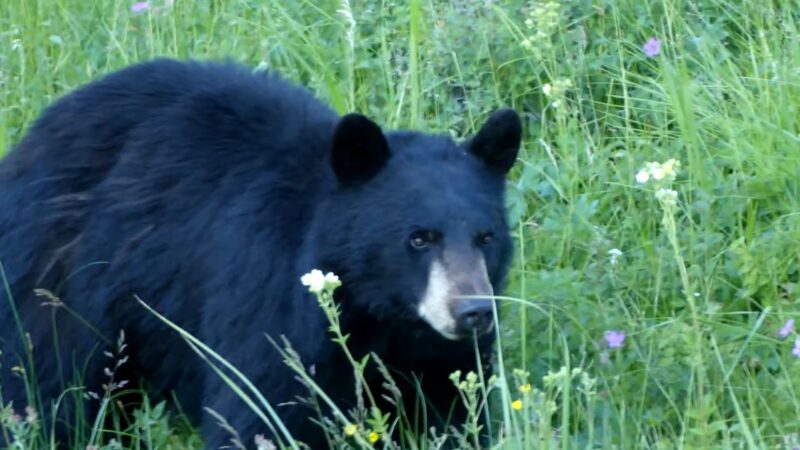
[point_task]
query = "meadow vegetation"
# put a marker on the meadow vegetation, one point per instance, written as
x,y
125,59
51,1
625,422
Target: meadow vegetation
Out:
x,y
656,203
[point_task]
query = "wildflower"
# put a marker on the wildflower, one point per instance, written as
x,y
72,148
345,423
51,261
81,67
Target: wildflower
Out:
x,y
613,256
543,22
791,441
787,329
373,437
557,88
331,280
31,415
670,166
263,443
316,281
140,7
525,388
588,383
516,405
553,378
652,47
614,338
657,173
796,349
557,91
667,196
350,429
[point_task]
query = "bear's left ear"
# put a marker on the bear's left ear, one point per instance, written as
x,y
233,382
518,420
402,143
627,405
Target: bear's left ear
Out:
x,y
359,149
497,142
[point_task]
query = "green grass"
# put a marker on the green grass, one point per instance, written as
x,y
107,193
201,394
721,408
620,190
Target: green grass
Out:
x,y
700,289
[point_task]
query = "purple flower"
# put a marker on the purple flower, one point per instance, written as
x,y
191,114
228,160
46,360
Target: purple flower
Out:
x,y
787,329
140,7
796,349
614,338
652,47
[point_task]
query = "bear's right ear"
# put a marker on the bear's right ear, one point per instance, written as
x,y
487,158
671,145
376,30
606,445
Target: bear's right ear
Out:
x,y
359,149
497,142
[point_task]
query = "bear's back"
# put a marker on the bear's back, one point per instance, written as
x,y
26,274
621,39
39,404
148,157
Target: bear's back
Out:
x,y
171,144
86,130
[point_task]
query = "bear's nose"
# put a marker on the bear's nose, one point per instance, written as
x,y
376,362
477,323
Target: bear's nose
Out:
x,y
474,316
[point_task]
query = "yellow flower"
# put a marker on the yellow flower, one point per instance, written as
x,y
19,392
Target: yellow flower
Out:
x,y
373,437
669,166
350,429
516,404
525,388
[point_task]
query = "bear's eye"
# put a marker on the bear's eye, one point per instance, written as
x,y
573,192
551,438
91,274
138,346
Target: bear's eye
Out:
x,y
421,239
485,238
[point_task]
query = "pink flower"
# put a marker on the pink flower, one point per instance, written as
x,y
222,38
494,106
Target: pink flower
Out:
x,y
787,329
140,7
652,47
614,338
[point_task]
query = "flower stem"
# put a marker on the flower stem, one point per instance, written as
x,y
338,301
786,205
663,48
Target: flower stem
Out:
x,y
668,221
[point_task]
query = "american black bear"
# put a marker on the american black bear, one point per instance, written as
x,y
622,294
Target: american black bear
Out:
x,y
207,191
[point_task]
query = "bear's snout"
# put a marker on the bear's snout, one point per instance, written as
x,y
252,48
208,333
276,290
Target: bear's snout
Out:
x,y
474,316
458,299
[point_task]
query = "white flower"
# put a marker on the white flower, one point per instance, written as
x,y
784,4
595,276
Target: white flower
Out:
x,y
667,196
263,443
657,172
331,279
547,89
315,280
614,255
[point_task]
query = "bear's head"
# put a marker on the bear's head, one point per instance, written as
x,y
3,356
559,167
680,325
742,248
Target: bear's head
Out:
x,y
415,226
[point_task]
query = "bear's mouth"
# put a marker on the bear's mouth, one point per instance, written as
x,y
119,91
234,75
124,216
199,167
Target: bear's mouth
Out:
x,y
461,331
456,335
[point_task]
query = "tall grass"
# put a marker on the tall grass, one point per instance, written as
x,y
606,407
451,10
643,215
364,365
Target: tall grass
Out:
x,y
699,288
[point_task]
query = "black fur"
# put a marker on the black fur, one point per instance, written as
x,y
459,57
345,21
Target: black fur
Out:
x,y
208,191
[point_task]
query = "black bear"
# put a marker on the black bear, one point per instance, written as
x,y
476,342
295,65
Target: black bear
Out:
x,y
208,190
